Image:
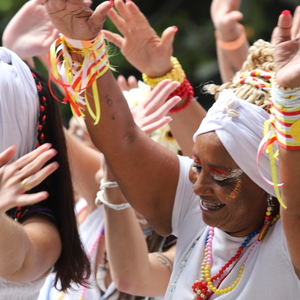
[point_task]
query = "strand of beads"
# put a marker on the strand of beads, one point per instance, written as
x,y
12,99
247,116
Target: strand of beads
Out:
x,y
204,288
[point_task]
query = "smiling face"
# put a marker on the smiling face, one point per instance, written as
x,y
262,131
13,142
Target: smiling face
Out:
x,y
230,200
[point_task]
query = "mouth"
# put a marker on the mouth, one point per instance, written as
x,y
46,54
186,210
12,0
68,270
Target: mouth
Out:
x,y
209,206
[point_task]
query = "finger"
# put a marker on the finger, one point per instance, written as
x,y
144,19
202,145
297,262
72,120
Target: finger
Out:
x,y
124,12
160,95
132,82
38,163
167,37
233,16
161,112
99,16
114,38
7,155
274,36
118,21
149,128
122,83
31,156
284,27
28,199
37,177
135,16
295,32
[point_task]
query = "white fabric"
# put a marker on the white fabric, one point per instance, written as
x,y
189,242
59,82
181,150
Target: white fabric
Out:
x,y
19,104
240,127
20,291
268,274
88,231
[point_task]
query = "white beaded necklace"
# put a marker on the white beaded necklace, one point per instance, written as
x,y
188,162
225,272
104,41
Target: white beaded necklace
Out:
x,y
182,265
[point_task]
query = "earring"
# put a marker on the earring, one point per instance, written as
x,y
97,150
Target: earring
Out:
x,y
269,219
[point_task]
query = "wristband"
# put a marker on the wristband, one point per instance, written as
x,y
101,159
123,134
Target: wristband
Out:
x,y
109,184
83,44
233,45
100,199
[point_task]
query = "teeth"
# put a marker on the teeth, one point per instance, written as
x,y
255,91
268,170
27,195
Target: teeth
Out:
x,y
209,205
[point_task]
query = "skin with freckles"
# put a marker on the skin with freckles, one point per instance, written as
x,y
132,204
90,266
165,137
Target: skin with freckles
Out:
x,y
242,204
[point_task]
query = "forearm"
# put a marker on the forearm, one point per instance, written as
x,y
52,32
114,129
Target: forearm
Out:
x,y
126,246
12,253
131,154
289,176
230,61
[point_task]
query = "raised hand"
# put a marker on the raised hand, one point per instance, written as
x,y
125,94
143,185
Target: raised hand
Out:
x,y
30,32
295,30
139,43
75,19
150,114
127,85
287,54
30,167
225,15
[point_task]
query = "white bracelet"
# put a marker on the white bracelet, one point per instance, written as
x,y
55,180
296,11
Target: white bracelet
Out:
x,y
108,184
100,199
288,98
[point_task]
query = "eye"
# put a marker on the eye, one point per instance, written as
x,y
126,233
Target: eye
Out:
x,y
196,167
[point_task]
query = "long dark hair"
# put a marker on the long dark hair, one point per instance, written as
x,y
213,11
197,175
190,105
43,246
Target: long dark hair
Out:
x,y
73,265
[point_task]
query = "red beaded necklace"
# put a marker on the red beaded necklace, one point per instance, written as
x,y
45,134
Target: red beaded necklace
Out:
x,y
204,288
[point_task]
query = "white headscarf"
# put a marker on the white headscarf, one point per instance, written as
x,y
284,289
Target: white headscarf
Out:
x,y
240,127
19,104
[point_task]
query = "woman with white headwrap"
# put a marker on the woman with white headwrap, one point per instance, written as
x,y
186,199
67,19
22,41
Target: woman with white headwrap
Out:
x,y
234,239
38,228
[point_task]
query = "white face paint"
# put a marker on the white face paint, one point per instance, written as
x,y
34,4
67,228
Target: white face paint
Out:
x,y
231,175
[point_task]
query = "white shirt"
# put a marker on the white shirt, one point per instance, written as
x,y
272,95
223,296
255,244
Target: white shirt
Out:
x,y
268,274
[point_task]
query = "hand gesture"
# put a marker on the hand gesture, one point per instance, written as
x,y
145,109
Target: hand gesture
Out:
x,y
225,14
150,114
295,30
127,85
287,54
139,43
75,19
30,32
30,168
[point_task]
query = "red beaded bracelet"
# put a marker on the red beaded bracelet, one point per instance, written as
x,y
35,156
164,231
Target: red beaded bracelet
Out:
x,y
184,90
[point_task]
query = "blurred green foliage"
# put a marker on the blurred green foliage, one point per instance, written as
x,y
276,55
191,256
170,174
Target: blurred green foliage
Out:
x,y
194,44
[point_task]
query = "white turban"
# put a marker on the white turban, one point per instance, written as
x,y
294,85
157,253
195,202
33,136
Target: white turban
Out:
x,y
240,127
19,104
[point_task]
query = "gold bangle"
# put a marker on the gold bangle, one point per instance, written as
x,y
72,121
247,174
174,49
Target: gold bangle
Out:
x,y
233,45
176,74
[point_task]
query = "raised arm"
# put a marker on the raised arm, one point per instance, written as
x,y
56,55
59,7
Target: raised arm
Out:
x,y
30,32
231,41
138,163
32,256
151,55
133,269
287,64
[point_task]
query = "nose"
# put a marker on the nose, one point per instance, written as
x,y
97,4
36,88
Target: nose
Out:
x,y
202,183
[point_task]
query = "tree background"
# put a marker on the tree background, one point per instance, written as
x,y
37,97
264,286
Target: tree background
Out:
x,y
194,44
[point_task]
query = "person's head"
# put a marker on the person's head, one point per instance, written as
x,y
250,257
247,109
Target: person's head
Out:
x,y
225,171
30,117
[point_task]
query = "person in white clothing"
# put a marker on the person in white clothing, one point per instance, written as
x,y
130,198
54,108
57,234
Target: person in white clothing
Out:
x,y
235,240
